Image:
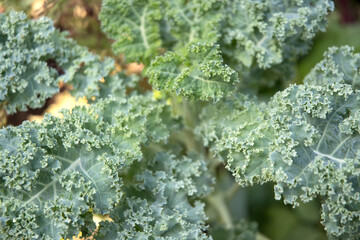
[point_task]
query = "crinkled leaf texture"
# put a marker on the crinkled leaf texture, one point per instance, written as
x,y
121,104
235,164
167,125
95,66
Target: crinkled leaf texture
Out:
x,y
306,140
115,86
144,29
196,73
34,58
188,22
134,25
340,65
53,173
261,40
161,201
264,32
267,32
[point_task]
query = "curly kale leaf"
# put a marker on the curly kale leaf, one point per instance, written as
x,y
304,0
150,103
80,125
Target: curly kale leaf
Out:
x,y
262,32
322,152
134,25
197,73
34,58
261,39
116,86
340,65
53,173
237,130
144,29
265,32
191,22
25,77
160,201
305,140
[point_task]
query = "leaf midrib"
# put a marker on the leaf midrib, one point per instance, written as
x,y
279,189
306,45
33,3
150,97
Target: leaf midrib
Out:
x,y
55,179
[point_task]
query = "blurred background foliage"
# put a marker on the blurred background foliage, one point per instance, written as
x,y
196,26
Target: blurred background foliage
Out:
x,y
274,219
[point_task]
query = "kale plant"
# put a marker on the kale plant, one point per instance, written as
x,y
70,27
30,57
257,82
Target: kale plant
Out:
x,y
150,159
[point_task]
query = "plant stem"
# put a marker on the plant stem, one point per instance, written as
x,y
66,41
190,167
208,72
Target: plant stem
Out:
x,y
259,236
213,162
218,203
231,192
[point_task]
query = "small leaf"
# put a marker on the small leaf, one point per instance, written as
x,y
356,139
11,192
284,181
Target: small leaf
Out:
x,y
197,73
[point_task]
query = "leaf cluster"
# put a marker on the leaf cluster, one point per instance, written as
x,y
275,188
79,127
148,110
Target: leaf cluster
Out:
x,y
150,161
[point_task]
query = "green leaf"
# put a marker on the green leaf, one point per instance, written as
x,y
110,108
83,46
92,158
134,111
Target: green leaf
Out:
x,y
269,31
53,173
144,29
26,80
305,140
116,86
325,158
263,39
340,65
236,129
190,22
134,25
196,73
34,58
159,207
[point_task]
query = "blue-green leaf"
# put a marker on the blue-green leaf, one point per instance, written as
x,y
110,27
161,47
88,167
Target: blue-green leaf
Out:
x,y
196,73
34,58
